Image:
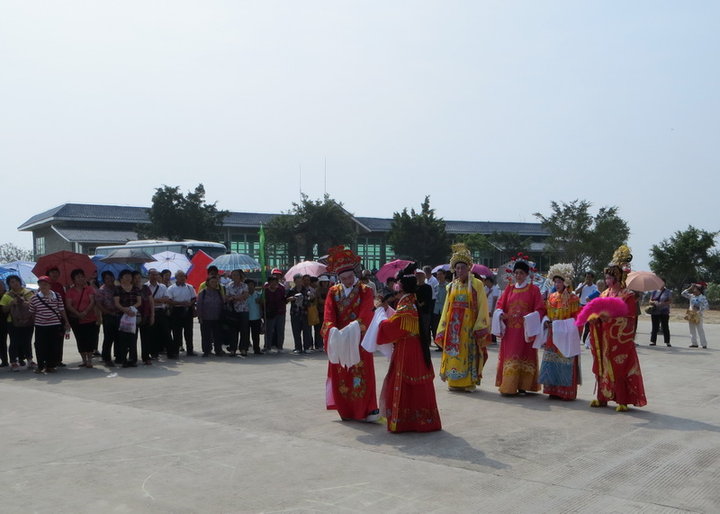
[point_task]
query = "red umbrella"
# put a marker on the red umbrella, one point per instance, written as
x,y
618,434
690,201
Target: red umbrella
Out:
x,y
198,271
479,269
390,269
65,262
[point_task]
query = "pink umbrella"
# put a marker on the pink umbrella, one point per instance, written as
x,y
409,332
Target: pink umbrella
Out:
x,y
479,269
390,269
643,281
312,268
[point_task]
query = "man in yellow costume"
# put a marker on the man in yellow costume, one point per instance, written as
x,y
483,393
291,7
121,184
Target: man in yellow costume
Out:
x,y
463,332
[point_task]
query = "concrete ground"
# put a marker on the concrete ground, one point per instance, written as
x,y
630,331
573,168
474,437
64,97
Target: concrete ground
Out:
x,y
221,435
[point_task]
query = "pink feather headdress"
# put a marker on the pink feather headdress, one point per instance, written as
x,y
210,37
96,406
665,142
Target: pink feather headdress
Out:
x,y
610,306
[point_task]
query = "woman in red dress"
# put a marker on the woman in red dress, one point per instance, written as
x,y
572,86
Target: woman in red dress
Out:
x,y
408,394
615,361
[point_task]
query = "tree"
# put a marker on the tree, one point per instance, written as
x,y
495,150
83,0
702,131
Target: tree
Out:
x,y
312,227
686,256
578,237
511,243
476,243
9,253
175,216
420,235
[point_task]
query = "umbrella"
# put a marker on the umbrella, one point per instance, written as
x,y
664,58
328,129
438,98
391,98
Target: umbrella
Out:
x,y
482,270
23,269
169,260
65,262
128,256
643,281
232,261
312,268
390,269
444,267
198,271
107,266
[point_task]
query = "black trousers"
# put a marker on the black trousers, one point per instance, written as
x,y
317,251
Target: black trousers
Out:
x,y
127,347
255,325
657,320
111,322
239,331
302,333
20,343
160,332
181,323
48,345
211,336
3,339
86,336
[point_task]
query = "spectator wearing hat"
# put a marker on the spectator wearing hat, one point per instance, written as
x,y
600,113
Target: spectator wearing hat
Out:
x,y
698,305
51,323
16,307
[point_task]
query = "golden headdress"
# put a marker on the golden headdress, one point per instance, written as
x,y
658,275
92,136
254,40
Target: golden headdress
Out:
x,y
461,253
620,264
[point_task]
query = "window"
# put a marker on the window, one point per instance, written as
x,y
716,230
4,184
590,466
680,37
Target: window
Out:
x,y
369,249
40,246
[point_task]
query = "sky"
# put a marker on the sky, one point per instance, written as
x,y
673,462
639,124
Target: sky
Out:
x,y
493,108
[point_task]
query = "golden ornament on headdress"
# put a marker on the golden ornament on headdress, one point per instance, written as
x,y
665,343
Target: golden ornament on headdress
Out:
x,y
622,256
620,264
461,253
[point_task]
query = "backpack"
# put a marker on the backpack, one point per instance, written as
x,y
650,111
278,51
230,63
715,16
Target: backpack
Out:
x,y
20,311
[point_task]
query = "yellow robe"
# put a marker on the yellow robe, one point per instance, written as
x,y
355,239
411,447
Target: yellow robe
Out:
x,y
463,333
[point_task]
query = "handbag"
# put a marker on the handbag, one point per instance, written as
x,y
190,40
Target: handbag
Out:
x,y
652,309
692,316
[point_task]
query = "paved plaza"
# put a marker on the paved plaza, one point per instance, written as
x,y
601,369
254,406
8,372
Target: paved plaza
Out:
x,y
219,435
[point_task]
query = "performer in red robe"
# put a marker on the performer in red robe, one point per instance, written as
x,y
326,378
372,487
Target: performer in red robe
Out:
x,y
517,370
615,361
349,390
407,399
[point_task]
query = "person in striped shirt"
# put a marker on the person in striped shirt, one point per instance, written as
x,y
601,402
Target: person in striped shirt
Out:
x,y
51,323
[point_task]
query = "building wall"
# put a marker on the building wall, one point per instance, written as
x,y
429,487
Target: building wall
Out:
x,y
46,241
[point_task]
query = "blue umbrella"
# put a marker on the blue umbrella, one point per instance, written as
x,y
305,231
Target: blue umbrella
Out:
x,y
6,272
23,269
107,266
233,261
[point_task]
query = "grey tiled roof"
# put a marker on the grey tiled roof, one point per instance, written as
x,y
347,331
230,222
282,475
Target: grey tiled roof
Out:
x,y
89,212
77,235
126,214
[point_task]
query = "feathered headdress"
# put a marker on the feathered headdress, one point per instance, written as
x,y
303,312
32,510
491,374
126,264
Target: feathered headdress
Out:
x,y
563,270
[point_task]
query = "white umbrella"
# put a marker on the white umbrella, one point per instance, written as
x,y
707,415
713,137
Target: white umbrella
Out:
x,y
169,260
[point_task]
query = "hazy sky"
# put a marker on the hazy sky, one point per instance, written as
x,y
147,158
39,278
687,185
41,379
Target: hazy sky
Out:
x,y
493,108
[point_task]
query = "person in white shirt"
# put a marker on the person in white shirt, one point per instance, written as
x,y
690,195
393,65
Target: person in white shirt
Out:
x,y
181,298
